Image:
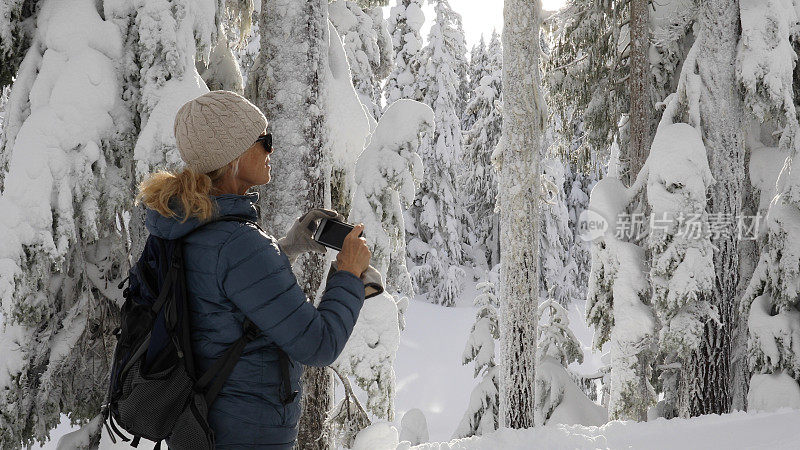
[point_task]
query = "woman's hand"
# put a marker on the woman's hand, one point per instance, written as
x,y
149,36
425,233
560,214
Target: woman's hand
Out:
x,y
355,254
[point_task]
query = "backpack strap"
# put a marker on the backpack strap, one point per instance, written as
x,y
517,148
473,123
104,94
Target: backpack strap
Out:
x,y
211,382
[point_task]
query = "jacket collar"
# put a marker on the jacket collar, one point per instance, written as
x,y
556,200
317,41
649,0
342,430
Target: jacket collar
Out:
x,y
227,205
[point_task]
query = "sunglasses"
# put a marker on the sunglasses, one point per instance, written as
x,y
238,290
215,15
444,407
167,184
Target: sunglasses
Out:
x,y
266,142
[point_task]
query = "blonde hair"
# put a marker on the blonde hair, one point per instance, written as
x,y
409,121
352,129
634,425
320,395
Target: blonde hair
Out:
x,y
191,188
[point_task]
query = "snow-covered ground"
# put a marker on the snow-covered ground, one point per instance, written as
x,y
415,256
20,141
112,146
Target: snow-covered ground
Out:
x,y
428,366
772,431
430,377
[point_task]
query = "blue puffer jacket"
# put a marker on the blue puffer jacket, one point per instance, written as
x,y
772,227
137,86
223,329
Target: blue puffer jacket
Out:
x,y
232,271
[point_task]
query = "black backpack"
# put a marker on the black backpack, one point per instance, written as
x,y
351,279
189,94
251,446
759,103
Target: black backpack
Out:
x,y
154,391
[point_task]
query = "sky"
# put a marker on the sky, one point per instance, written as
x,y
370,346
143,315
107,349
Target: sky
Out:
x,y
478,16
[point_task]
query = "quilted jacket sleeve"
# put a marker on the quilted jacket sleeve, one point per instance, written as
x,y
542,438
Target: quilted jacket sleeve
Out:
x,y
256,276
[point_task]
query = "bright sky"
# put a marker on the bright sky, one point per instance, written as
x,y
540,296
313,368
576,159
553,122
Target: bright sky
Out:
x,y
478,16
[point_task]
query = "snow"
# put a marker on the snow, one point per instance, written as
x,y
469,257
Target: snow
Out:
x,y
428,367
765,166
765,61
608,198
379,436
414,427
572,407
431,378
677,161
773,391
387,174
738,430
776,337
349,123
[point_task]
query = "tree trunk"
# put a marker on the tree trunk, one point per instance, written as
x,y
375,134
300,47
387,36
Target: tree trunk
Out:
x,y
721,123
290,88
639,145
518,168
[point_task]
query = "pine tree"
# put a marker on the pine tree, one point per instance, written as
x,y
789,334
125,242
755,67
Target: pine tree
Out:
x,y
404,24
480,140
558,268
771,300
556,340
435,240
65,241
288,83
482,415
517,164
586,69
476,70
616,302
682,270
388,172
558,347
579,183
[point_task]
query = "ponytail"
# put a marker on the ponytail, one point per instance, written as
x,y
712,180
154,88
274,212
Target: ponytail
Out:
x,y
190,188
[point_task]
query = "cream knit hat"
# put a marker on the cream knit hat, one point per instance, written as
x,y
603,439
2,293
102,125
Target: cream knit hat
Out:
x,y
216,128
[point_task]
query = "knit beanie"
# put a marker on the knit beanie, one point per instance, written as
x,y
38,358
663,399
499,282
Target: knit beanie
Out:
x,y
216,128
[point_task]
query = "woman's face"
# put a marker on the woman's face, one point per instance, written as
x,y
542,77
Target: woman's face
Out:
x,y
254,168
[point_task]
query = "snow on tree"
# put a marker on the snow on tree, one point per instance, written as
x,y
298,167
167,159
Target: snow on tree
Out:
x,y
16,36
245,36
5,91
480,179
368,49
377,181
556,340
64,199
388,172
437,231
617,293
404,24
580,181
560,401
17,32
765,68
482,415
221,71
558,398
682,270
369,354
158,73
517,163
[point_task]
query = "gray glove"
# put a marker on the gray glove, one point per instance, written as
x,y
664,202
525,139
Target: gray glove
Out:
x,y
298,239
372,279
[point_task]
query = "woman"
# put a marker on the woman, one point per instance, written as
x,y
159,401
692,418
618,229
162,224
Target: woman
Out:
x,y
234,271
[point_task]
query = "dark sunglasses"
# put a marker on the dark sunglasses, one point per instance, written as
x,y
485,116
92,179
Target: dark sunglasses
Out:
x,y
266,142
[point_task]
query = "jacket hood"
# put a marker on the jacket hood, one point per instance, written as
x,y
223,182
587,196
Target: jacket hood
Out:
x,y
227,205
